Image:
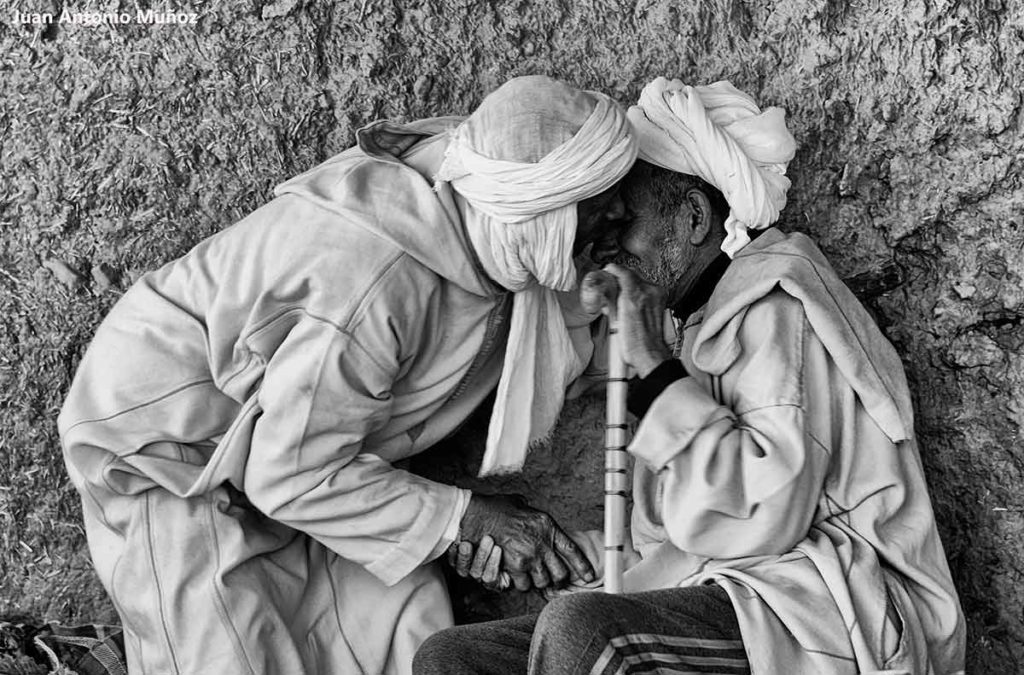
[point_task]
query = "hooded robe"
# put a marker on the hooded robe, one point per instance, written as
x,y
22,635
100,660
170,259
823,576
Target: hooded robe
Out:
x,y
784,468
259,390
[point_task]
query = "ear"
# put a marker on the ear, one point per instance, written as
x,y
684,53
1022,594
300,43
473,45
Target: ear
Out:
x,y
702,219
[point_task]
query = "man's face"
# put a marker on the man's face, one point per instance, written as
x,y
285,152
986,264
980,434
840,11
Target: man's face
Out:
x,y
657,244
601,221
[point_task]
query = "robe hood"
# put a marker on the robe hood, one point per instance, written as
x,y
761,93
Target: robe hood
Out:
x,y
794,263
395,202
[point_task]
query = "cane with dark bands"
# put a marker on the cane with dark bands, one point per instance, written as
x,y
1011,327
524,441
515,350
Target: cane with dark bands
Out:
x,y
616,465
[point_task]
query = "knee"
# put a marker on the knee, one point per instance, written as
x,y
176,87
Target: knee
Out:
x,y
575,614
567,631
430,657
446,651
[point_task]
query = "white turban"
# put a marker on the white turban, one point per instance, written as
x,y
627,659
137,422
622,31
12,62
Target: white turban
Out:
x,y
718,133
522,161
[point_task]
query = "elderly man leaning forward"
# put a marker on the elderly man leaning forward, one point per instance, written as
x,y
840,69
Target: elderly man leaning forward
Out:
x,y
233,426
781,520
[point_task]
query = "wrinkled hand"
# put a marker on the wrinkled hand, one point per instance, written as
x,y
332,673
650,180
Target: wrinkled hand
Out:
x,y
637,307
591,542
535,552
482,562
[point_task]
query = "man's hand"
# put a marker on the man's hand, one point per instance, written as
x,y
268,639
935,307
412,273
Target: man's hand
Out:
x,y
535,551
639,309
484,564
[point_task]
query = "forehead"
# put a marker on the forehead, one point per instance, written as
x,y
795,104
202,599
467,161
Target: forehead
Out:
x,y
647,187
657,199
597,203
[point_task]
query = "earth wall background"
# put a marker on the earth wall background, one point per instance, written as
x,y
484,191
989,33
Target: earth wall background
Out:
x,y
123,146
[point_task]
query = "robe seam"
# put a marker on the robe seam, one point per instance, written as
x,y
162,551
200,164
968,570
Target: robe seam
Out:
x,y
220,603
144,404
158,585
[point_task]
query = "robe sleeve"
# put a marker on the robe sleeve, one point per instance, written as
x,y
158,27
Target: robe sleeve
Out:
x,y
739,474
324,391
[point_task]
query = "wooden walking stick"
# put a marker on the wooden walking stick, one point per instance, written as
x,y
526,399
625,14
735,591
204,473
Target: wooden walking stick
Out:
x,y
615,458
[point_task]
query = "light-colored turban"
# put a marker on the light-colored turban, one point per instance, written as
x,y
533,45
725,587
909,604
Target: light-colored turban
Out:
x,y
718,133
522,161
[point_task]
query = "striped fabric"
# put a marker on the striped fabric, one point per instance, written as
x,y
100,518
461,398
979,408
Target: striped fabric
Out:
x,y
654,654
92,649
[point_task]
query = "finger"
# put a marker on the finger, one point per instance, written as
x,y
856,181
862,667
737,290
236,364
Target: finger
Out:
x,y
492,570
539,575
453,551
464,558
629,291
483,552
625,278
656,307
520,581
598,290
571,553
557,570
504,581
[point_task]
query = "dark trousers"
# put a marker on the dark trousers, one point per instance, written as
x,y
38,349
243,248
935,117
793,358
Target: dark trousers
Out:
x,y
678,630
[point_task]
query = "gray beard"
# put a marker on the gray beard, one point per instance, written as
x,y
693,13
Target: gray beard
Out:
x,y
659,275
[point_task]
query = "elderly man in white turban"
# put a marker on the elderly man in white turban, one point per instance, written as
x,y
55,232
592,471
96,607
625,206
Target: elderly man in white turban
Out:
x,y
233,426
781,520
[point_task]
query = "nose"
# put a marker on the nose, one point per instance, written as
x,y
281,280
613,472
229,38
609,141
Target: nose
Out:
x,y
635,239
616,210
618,218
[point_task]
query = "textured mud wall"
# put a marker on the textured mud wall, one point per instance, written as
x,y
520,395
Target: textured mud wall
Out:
x,y
123,145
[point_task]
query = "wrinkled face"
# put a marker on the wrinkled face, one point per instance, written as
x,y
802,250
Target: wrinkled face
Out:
x,y
601,221
657,244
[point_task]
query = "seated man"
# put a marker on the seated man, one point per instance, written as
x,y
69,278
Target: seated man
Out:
x,y
781,517
233,426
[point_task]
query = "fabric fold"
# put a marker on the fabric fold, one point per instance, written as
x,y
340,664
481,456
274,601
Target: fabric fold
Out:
x,y
865,358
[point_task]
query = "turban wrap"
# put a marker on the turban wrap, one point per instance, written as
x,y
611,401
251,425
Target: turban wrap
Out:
x,y
521,162
718,133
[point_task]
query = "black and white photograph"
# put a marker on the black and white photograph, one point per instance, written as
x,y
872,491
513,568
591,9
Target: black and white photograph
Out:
x,y
511,337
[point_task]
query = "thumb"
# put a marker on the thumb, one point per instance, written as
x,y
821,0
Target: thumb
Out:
x,y
573,555
598,290
626,280
591,542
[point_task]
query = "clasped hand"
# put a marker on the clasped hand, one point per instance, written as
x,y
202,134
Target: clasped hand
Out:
x,y
503,542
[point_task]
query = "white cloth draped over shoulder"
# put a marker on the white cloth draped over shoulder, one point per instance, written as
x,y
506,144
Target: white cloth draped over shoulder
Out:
x,y
522,170
718,133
